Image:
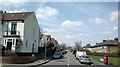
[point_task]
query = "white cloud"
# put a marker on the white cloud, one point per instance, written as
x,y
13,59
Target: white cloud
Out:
x,y
76,24
80,34
106,33
98,20
62,30
114,16
14,11
115,28
72,37
16,1
68,36
46,13
13,3
54,30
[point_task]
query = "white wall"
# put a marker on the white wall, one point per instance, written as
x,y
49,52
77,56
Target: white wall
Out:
x,y
0,32
31,34
26,29
19,25
20,28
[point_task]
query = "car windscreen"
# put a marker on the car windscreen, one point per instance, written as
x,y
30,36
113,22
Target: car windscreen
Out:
x,y
84,56
57,54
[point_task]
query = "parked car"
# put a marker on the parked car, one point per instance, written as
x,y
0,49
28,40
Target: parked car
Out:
x,y
64,52
74,52
85,59
57,55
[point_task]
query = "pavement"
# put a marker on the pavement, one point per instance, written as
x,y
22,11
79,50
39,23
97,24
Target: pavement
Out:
x,y
33,64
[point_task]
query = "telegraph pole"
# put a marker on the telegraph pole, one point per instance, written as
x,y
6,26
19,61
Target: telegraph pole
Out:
x,y
44,41
45,52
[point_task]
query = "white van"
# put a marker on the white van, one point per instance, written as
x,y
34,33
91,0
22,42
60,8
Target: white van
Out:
x,y
79,53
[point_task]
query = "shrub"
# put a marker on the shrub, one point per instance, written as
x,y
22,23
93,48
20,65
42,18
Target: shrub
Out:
x,y
115,54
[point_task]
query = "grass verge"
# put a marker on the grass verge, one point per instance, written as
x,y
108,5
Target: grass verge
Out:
x,y
111,60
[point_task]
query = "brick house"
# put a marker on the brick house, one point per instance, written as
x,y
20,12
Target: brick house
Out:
x,y
87,47
107,46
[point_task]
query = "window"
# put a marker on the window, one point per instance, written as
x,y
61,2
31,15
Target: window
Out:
x,y
16,42
5,41
26,42
13,41
33,32
0,40
103,48
7,28
13,28
9,40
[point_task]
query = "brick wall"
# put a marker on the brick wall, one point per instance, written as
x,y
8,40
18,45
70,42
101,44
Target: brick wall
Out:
x,y
16,59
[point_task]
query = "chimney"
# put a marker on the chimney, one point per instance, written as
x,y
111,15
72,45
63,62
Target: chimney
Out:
x,y
5,12
104,40
1,11
1,15
115,39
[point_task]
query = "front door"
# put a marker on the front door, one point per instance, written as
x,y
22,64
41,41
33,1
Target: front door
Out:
x,y
9,46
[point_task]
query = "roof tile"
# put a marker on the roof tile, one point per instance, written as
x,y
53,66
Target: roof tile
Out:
x,y
15,16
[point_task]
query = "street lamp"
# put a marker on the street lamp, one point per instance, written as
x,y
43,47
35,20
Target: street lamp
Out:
x,y
45,52
44,41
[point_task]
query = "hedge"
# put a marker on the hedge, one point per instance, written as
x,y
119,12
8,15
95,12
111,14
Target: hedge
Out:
x,y
102,54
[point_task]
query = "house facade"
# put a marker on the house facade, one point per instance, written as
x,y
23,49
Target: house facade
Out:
x,y
87,47
107,46
1,37
20,32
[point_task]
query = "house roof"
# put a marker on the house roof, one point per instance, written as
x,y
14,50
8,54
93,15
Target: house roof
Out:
x,y
87,46
15,16
1,15
107,43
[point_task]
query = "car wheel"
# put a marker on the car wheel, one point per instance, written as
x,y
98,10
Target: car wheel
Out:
x,y
89,63
81,62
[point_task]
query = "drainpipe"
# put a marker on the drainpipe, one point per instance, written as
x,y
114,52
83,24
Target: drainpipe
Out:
x,y
2,26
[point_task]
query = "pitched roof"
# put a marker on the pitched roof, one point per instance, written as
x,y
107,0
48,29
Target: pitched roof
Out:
x,y
15,16
1,15
87,46
107,43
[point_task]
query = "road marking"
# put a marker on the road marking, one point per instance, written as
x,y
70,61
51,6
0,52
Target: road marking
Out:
x,y
68,64
68,60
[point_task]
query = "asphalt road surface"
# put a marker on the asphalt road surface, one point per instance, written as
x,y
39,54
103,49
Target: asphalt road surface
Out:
x,y
69,60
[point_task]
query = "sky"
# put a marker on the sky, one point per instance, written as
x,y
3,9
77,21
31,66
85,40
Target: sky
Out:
x,y
68,22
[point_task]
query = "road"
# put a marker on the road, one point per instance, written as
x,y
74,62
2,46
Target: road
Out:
x,y
68,60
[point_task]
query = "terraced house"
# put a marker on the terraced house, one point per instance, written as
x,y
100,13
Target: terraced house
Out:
x,y
19,32
107,46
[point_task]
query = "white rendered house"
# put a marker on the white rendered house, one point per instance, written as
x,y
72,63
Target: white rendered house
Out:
x,y
20,32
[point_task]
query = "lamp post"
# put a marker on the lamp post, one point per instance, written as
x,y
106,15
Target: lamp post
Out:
x,y
44,41
45,52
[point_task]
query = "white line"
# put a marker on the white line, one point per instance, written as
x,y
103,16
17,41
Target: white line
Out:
x,y
68,60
